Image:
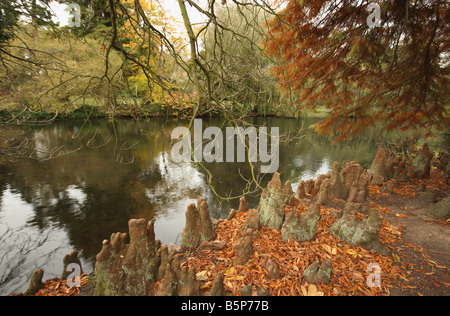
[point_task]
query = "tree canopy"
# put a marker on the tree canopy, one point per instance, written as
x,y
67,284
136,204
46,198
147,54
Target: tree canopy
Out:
x,y
366,63
396,73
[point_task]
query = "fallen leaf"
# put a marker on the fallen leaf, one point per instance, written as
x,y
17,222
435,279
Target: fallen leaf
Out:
x,y
327,248
312,290
396,258
431,262
202,276
229,272
206,286
354,253
235,278
408,286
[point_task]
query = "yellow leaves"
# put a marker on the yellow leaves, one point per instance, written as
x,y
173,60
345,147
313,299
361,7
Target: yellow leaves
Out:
x,y
354,253
330,250
229,272
177,104
229,275
311,291
231,280
235,278
201,276
396,258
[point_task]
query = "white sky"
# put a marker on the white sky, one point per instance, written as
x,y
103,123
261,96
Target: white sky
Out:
x,y
61,15
171,6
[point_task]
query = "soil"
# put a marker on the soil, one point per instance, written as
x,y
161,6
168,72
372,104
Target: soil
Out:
x,y
424,244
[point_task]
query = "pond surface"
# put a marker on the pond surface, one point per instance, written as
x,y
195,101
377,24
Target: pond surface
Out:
x,y
113,171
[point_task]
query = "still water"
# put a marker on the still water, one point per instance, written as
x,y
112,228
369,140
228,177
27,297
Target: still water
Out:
x,y
113,171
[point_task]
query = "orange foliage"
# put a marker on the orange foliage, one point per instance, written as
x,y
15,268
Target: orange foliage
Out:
x,y
60,287
396,73
349,263
409,189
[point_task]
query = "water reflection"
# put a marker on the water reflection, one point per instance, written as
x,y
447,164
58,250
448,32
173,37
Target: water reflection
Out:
x,y
118,170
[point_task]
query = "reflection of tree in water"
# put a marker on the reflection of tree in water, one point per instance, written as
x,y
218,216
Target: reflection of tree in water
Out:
x,y
105,199
313,154
17,244
3,182
84,197
46,186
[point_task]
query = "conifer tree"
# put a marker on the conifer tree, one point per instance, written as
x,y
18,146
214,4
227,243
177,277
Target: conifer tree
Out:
x,y
387,62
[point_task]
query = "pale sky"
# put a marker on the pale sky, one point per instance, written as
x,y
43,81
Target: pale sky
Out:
x,y
62,16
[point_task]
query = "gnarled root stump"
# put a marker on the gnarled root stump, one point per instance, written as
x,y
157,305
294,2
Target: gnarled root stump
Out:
x,y
273,203
128,269
198,226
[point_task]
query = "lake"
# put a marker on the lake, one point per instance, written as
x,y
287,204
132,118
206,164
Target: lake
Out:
x,y
107,172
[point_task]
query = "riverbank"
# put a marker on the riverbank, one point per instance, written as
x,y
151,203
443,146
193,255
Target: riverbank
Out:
x,y
131,112
359,200
417,263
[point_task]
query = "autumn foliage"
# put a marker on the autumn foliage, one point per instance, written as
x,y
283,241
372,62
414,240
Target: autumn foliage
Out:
x,y
350,264
395,73
61,288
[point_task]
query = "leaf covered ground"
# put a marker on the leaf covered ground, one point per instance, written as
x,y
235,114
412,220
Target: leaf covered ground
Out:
x,y
418,245
411,269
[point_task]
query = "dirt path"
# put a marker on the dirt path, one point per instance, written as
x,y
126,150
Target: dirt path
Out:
x,y
424,243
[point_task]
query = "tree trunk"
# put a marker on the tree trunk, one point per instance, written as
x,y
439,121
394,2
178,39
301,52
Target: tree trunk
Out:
x,y
194,56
